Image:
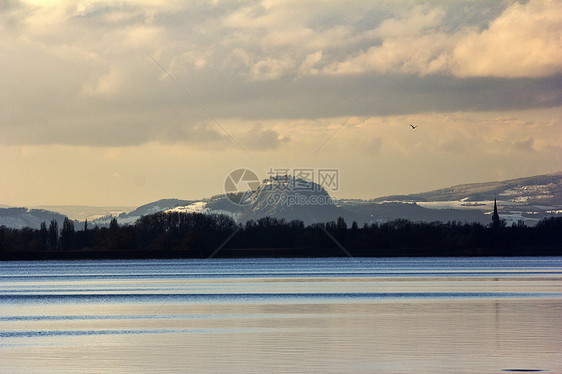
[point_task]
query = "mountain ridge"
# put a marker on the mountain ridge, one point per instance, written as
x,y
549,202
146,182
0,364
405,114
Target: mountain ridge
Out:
x,y
489,190
526,199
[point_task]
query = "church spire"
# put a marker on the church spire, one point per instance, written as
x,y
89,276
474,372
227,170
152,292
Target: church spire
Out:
x,y
495,216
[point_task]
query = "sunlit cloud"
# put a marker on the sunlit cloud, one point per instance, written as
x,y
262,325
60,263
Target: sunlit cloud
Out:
x,y
524,41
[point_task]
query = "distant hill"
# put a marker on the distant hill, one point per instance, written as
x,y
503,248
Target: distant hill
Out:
x,y
523,199
311,204
369,212
24,217
540,189
83,212
284,197
143,210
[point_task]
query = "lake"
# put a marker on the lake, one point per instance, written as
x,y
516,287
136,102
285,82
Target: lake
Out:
x,y
333,315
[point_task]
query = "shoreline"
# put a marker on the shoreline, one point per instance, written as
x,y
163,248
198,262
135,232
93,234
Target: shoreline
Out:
x,y
250,253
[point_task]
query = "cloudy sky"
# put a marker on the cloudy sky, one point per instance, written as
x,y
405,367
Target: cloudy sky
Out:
x,y
123,103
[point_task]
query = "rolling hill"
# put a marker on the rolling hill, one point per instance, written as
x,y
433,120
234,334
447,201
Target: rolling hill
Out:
x,y
523,199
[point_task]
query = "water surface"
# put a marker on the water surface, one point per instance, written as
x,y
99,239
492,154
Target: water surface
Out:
x,y
485,315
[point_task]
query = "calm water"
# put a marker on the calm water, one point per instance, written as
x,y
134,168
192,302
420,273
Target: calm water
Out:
x,y
493,315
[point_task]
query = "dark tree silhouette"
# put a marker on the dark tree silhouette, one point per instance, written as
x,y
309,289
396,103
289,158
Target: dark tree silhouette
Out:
x,y
53,237
341,224
67,234
43,236
199,235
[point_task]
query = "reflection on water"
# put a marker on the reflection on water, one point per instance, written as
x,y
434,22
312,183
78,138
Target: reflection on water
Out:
x,y
303,315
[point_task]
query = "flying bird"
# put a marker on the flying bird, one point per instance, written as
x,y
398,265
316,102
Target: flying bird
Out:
x,y
413,127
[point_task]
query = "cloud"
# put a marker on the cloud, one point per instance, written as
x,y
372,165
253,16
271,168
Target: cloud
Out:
x,y
411,42
373,145
106,85
142,37
200,134
309,65
270,69
78,73
419,20
525,146
259,138
456,145
524,41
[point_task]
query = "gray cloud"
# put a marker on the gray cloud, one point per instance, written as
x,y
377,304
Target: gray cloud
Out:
x,y
202,133
79,74
259,138
525,145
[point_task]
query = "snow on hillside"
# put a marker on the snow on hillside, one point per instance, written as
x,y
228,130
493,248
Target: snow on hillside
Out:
x,y
123,219
201,207
197,207
83,212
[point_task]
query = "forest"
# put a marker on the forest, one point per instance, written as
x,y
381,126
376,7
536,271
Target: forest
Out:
x,y
196,235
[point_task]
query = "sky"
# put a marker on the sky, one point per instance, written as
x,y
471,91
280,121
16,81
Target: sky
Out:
x,y
123,103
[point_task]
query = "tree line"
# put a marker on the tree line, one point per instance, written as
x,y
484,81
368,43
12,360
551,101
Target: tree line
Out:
x,y
199,235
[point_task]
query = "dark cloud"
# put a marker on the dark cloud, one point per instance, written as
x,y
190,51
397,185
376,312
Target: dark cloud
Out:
x,y
322,97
